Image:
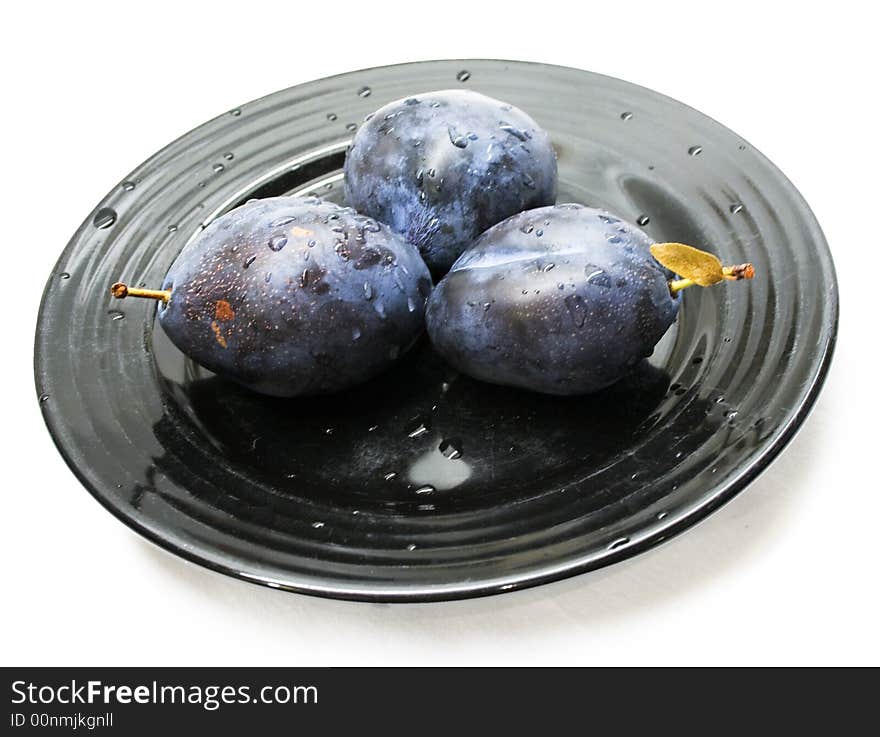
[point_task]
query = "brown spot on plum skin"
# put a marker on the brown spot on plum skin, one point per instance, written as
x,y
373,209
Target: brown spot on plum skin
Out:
x,y
218,334
223,311
298,232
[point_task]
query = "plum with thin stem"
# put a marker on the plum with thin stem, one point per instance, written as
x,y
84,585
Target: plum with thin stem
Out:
x,y
293,296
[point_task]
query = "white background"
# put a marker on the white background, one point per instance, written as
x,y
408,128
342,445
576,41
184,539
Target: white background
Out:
x,y
786,573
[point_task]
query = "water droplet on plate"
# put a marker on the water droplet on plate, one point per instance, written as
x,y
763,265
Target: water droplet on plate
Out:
x,y
351,127
695,150
364,91
390,476
317,525
236,112
417,427
643,220
451,448
64,275
626,116
104,218
229,156
411,547
128,185
463,76
218,167
44,398
331,116
736,208
620,542
116,314
426,489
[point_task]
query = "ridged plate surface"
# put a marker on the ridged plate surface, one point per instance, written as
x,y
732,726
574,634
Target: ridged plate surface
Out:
x,y
424,484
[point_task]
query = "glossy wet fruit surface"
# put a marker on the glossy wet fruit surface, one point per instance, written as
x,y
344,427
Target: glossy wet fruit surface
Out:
x,y
559,300
292,296
442,167
327,494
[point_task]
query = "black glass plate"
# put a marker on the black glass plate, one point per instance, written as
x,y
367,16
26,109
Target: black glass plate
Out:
x,y
424,484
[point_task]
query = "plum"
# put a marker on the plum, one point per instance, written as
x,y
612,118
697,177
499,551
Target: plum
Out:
x,y
559,300
293,296
442,167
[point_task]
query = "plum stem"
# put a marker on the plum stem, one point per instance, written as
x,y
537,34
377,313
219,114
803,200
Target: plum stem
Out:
x,y
730,273
121,291
676,285
740,271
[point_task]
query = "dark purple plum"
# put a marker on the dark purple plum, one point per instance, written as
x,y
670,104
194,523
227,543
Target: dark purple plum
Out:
x,y
442,167
293,296
559,300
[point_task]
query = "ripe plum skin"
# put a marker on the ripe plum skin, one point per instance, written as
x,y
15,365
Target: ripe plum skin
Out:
x,y
559,300
442,167
294,296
